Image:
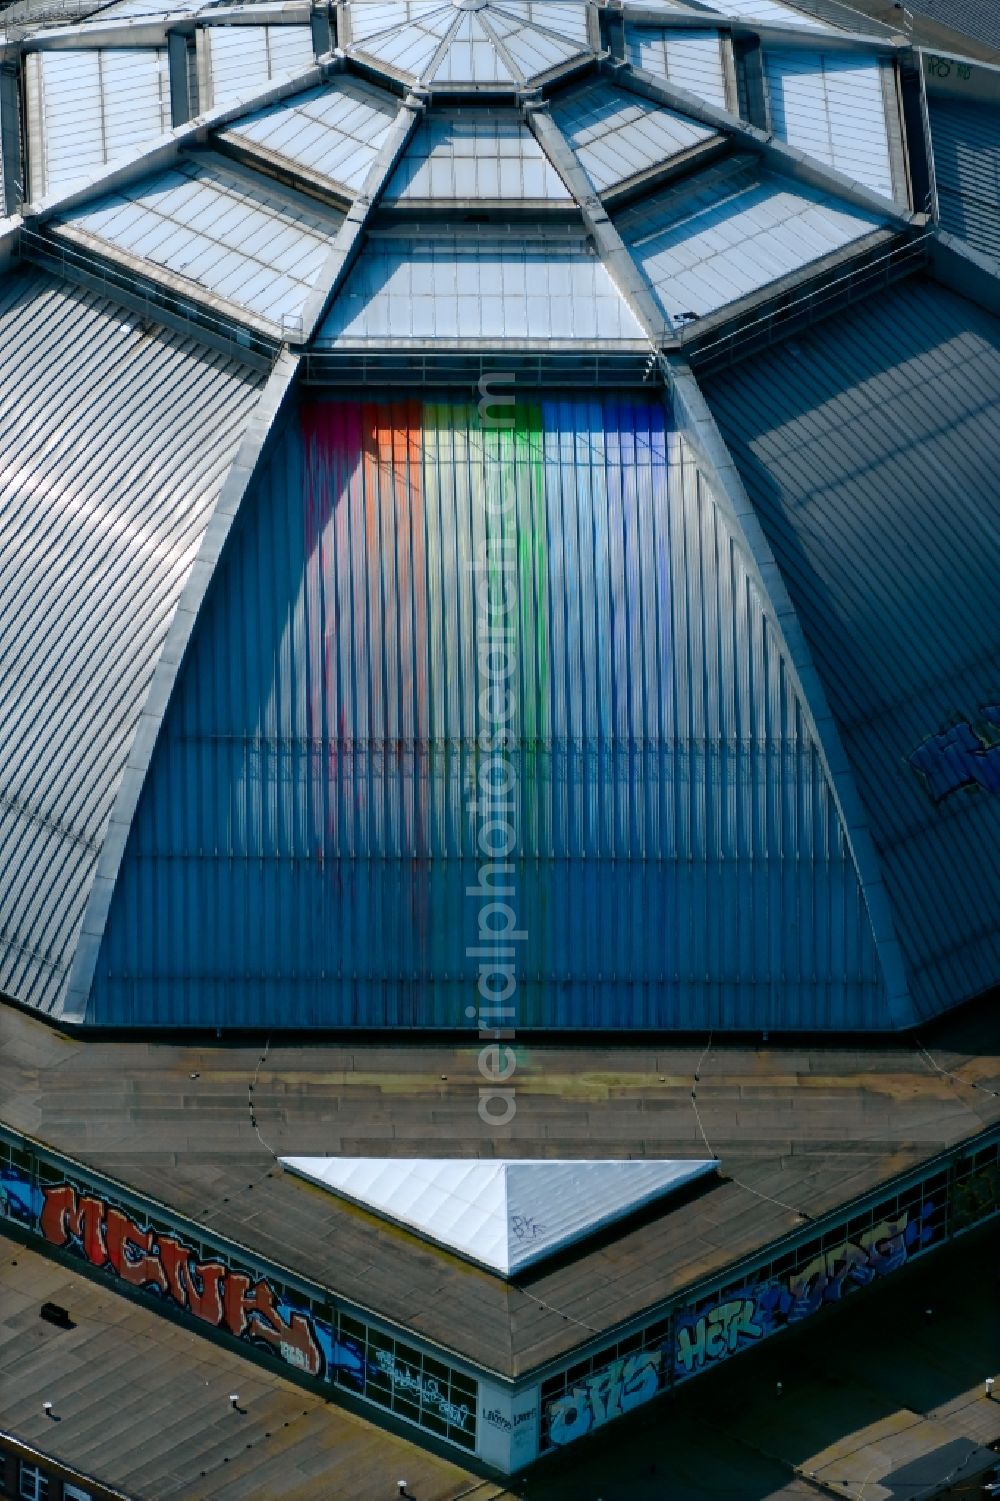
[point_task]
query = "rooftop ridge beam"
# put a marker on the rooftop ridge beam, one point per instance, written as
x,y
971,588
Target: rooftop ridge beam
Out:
x,y
165,674
610,246
348,240
695,420
777,156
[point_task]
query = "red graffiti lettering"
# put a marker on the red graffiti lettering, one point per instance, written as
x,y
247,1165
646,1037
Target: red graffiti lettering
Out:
x,y
130,1251
253,1311
208,1289
198,1286
66,1217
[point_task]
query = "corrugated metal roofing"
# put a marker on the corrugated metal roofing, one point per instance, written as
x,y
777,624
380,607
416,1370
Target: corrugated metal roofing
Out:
x,y
729,231
332,134
966,140
505,1215
304,843
871,448
618,135
832,105
477,157
975,18
517,288
86,107
239,237
690,59
105,490
241,59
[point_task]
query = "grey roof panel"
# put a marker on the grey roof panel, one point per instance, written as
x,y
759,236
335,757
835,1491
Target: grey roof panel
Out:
x,y
237,237
618,135
966,140
96,539
870,448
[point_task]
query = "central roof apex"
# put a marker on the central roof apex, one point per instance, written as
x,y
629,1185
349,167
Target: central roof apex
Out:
x,y
469,43
505,1215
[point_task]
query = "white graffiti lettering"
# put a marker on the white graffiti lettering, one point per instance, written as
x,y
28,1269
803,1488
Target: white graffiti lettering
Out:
x,y
425,1388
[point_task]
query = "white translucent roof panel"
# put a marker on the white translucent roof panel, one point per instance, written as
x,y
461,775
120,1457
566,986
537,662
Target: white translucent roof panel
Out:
x,y
832,106
729,232
332,133
618,135
691,60
410,36
86,108
472,56
475,288
370,18
768,10
534,50
243,59
475,156
145,8
564,18
504,1215
505,42
233,235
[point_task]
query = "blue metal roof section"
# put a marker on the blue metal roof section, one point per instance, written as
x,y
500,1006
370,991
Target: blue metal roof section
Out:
x,y
966,139
95,547
303,847
870,449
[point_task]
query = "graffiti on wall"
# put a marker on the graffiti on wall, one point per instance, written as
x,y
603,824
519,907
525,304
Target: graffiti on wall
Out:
x,y
943,67
712,1332
719,1327
620,1386
425,1389
966,754
107,1236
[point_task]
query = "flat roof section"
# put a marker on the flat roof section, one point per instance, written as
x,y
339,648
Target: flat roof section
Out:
x,y
144,1406
890,1392
801,1132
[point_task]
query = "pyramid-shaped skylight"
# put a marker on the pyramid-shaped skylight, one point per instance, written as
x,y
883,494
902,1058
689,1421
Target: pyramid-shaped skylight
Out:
x,y
464,42
504,1215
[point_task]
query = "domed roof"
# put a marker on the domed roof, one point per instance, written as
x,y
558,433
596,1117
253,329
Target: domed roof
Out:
x,y
344,221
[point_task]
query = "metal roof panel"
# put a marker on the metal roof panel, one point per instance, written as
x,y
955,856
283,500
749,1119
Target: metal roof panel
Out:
x,y
94,548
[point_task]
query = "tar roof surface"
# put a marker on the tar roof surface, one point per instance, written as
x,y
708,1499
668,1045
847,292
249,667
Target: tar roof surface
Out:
x,y
889,1399
800,1131
143,1405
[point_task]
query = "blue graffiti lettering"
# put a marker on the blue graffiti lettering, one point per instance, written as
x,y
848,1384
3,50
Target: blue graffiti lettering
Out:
x,y
964,755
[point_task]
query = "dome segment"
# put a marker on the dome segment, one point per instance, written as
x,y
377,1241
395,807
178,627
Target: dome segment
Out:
x,y
461,45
